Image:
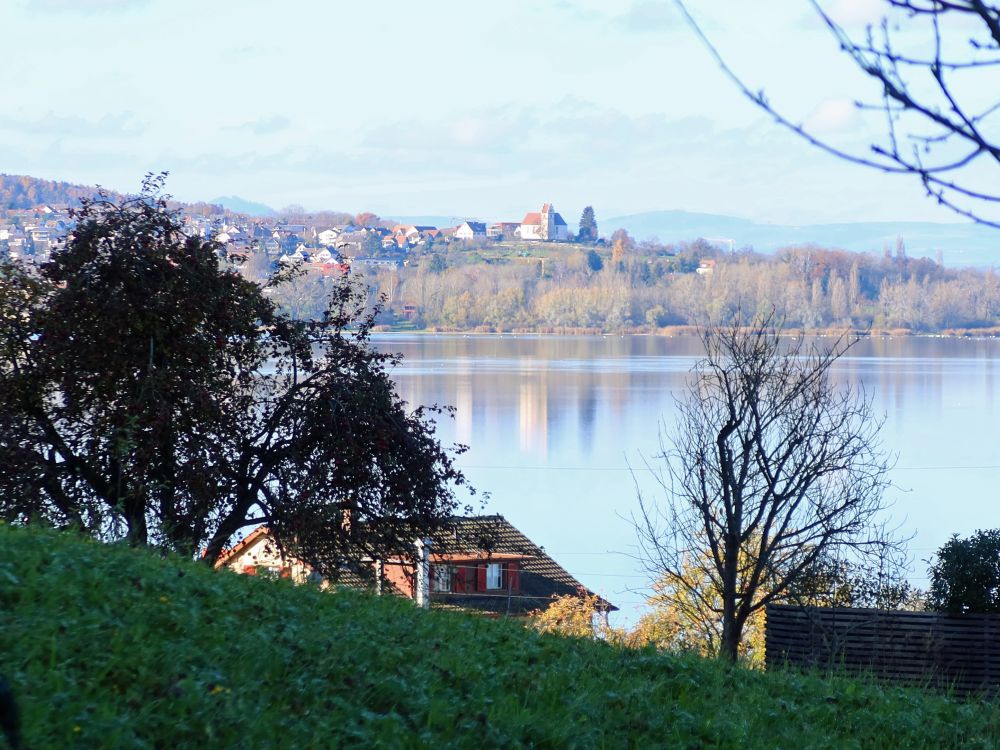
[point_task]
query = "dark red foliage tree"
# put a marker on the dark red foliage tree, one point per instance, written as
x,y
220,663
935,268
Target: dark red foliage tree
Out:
x,y
150,395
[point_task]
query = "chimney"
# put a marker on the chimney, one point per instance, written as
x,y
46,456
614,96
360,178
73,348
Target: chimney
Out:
x,y
423,573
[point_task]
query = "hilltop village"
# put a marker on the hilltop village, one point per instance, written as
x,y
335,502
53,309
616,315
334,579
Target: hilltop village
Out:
x,y
366,240
536,275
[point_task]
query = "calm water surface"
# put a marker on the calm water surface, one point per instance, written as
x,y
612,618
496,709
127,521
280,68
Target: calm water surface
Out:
x,y
554,423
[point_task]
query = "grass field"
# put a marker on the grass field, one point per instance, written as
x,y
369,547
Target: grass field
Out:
x,y
108,647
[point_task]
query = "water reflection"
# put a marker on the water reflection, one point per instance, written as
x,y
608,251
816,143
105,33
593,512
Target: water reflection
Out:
x,y
554,422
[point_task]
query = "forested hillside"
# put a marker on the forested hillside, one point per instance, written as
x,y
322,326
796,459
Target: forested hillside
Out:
x,y
644,288
22,191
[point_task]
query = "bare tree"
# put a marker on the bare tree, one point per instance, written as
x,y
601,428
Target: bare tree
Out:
x,y
770,469
939,100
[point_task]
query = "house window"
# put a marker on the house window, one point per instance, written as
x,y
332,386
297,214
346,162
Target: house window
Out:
x,y
494,575
442,577
274,571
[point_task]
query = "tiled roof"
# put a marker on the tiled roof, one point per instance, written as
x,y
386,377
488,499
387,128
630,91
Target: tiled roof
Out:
x,y
474,539
249,539
532,218
541,577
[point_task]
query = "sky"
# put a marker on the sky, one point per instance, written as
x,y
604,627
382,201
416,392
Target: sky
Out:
x,y
445,107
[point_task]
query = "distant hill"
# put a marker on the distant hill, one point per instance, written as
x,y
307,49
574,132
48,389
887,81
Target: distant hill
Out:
x,y
960,244
22,191
243,206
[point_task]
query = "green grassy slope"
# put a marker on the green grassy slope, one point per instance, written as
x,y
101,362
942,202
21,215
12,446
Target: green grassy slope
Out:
x,y
110,647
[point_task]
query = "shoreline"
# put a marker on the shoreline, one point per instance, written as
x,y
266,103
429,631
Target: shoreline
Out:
x,y
991,332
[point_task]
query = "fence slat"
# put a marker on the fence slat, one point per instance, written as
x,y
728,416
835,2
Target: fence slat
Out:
x,y
959,652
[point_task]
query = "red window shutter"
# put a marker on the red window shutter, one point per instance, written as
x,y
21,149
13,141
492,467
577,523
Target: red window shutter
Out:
x,y
480,578
513,576
469,578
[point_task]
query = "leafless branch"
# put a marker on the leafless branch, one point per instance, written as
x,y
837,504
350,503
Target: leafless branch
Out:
x,y
769,471
932,132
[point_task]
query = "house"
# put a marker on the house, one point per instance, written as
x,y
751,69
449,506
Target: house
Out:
x,y
414,231
271,247
514,576
471,230
328,237
378,262
330,269
480,563
323,256
350,243
41,234
706,267
502,230
546,224
258,554
290,259
284,228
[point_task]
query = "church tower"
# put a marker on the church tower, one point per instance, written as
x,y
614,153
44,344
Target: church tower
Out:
x,y
548,227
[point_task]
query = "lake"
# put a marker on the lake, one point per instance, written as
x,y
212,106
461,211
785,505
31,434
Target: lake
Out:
x,y
554,423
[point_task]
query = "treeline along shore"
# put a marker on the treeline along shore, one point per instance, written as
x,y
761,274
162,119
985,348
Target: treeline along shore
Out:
x,y
648,287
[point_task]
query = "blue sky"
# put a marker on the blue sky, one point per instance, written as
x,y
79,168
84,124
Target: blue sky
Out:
x,y
445,106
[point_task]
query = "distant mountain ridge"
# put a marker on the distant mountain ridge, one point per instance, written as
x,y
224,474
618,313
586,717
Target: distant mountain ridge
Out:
x,y
243,206
960,244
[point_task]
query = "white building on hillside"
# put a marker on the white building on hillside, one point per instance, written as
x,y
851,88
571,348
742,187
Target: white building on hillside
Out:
x,y
471,230
546,224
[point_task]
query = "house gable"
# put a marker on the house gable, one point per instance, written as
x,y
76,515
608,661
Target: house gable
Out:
x,y
479,563
469,230
530,577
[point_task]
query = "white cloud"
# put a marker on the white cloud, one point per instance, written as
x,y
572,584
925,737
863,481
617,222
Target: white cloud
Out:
x,y
265,125
649,15
470,131
122,124
833,115
856,12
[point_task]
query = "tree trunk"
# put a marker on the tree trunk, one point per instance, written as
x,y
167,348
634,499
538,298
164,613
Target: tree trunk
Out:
x,y
729,648
135,519
233,522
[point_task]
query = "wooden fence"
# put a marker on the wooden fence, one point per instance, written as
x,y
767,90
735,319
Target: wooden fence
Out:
x,y
953,652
